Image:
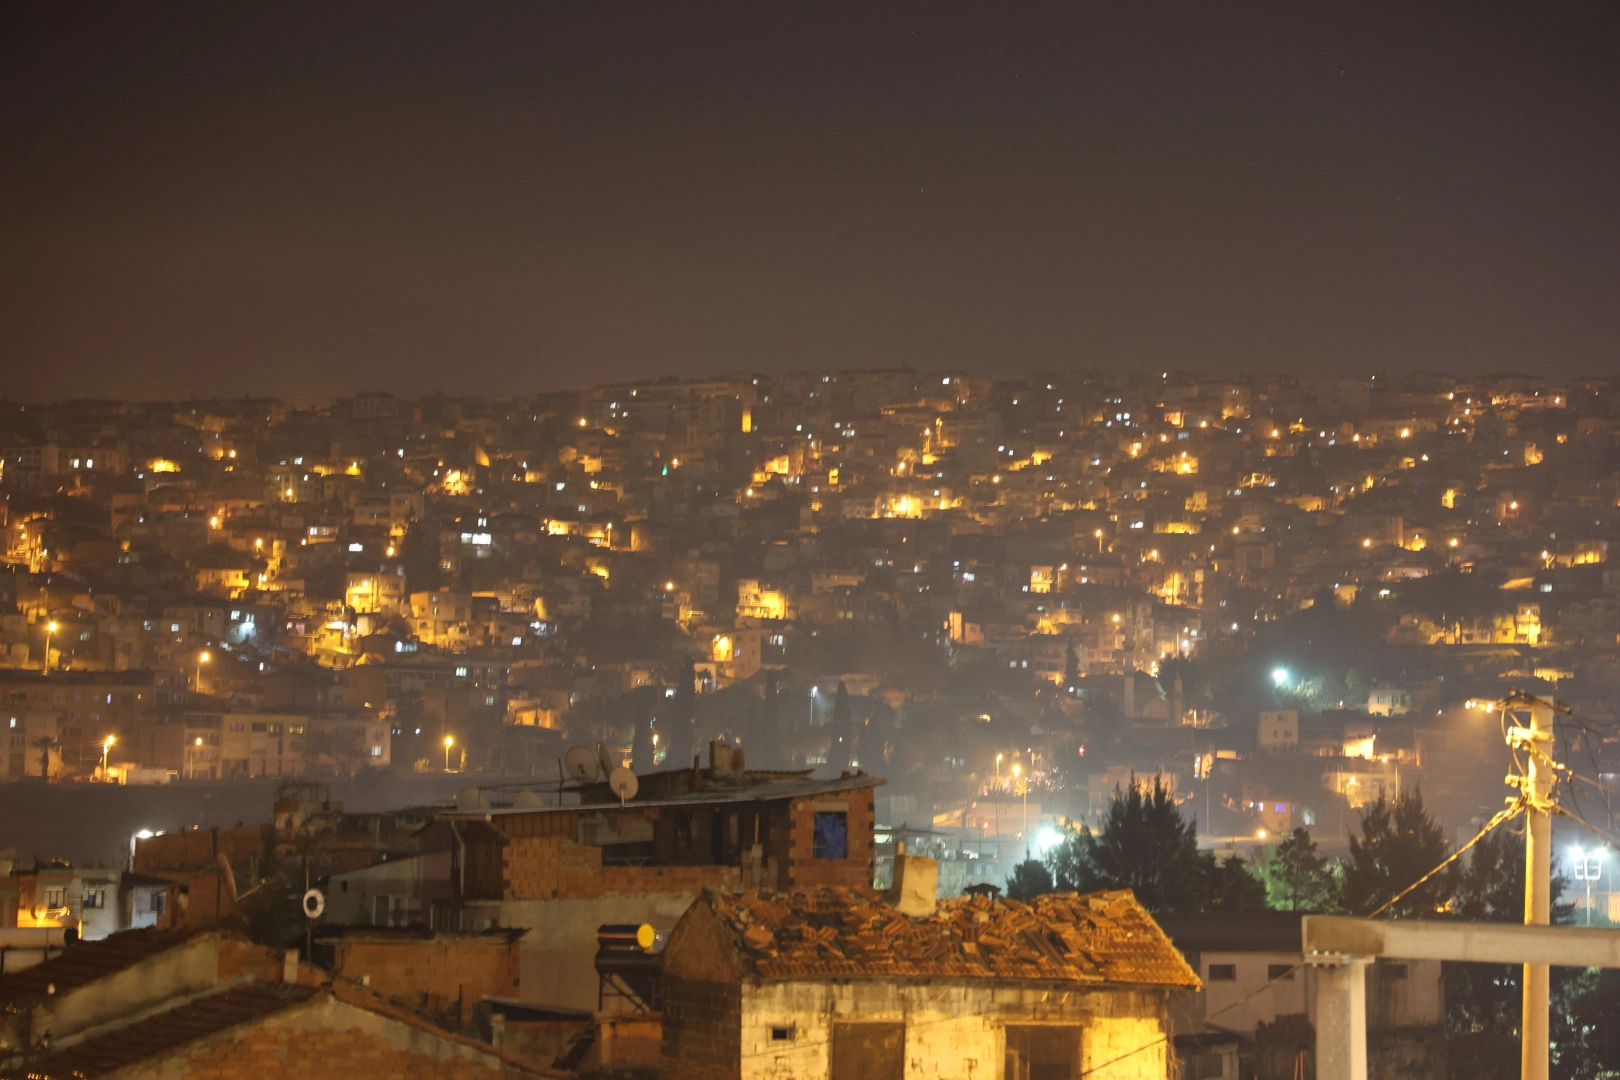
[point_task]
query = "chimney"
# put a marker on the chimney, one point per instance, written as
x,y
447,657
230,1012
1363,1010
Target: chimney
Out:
x,y
916,881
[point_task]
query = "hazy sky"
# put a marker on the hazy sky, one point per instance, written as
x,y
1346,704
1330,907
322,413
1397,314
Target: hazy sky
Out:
x,y
307,200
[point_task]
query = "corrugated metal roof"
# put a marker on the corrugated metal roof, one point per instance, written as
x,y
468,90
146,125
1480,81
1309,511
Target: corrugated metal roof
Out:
x,y
843,933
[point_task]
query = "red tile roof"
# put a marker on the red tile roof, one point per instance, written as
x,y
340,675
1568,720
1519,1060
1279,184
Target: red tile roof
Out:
x,y
1104,937
91,960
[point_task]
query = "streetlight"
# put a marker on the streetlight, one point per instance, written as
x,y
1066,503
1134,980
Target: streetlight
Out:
x,y
106,745
1098,535
1588,868
813,692
449,741
202,658
1280,676
50,628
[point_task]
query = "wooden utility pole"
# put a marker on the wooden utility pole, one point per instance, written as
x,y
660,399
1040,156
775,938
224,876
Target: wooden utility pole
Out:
x,y
1536,742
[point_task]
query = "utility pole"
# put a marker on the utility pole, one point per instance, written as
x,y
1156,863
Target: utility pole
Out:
x,y
1536,787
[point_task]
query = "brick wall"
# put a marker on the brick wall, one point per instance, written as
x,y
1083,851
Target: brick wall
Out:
x,y
550,868
298,1055
239,957
329,1038
803,870
444,975
701,1030
199,850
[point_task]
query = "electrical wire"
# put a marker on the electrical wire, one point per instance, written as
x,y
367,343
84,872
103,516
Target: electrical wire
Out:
x,y
1507,813
1267,985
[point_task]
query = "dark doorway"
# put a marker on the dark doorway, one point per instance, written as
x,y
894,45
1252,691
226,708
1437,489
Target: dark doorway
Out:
x,y
1043,1052
868,1052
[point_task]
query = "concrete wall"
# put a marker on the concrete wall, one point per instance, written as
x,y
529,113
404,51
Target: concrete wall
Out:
x,y
189,969
350,897
559,954
1413,1001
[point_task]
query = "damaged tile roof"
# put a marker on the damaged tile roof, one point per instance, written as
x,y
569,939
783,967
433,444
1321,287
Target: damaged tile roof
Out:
x,y
169,1030
843,933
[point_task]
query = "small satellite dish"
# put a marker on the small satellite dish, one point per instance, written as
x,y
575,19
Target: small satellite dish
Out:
x,y
528,800
623,783
314,904
582,765
605,760
469,798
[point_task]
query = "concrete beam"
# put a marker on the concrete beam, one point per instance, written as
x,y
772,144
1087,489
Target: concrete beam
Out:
x,y
1485,943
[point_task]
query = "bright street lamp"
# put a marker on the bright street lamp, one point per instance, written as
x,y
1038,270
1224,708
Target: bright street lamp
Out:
x,y
106,745
1588,868
449,741
50,628
1280,676
202,658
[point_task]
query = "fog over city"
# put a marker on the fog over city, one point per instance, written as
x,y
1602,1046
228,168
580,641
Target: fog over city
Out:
x,y
922,542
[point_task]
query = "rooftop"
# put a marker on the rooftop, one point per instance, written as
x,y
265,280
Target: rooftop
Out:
x,y
88,961
173,1028
1238,931
720,791
843,933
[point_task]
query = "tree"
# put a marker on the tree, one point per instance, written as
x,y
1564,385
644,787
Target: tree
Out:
x,y
683,740
1486,997
841,755
46,746
1229,886
641,703
1298,878
1030,879
1071,667
770,717
1399,843
1145,845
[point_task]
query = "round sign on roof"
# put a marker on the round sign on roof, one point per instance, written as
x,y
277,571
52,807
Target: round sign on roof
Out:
x,y
314,904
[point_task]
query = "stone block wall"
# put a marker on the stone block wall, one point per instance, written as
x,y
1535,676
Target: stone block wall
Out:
x,y
953,1031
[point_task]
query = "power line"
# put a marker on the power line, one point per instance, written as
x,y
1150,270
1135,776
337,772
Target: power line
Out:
x,y
1509,812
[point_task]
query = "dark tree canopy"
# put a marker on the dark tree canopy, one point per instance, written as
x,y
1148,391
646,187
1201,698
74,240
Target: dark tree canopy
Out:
x,y
1030,879
1145,845
1399,843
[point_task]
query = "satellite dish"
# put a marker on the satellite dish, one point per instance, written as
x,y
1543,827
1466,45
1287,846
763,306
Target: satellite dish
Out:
x,y
623,783
605,760
582,765
314,904
528,800
469,798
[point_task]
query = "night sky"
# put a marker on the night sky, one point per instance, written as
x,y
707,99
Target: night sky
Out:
x,y
308,200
